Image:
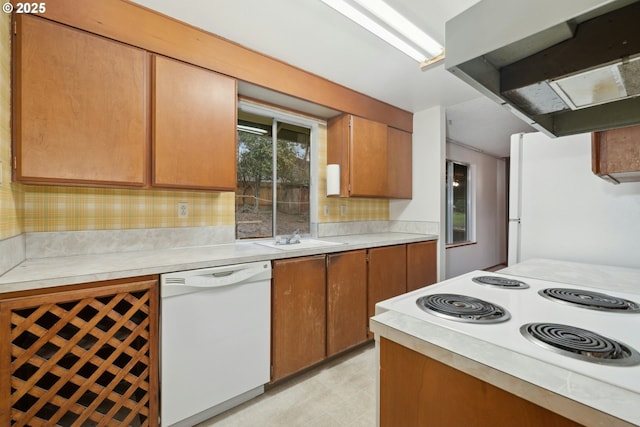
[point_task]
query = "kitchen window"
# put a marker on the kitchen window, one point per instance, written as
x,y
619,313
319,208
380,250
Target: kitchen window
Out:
x,y
274,193
459,203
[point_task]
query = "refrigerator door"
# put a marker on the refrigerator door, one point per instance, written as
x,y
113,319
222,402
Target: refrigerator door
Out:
x,y
515,199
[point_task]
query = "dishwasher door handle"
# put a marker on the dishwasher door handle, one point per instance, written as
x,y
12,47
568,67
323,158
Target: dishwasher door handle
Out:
x,y
195,280
223,274
215,280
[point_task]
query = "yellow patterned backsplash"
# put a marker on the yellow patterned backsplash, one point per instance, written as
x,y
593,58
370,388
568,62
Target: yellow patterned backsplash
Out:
x,y
355,209
77,208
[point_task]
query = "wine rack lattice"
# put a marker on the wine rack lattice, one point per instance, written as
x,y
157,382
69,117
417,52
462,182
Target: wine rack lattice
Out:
x,y
84,360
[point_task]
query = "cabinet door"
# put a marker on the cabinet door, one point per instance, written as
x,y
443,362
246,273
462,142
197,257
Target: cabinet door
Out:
x,y
616,154
87,356
399,165
422,267
416,390
346,300
368,158
298,326
79,107
387,273
338,148
194,127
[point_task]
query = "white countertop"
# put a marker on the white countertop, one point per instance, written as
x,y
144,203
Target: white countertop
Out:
x,y
579,397
57,271
600,276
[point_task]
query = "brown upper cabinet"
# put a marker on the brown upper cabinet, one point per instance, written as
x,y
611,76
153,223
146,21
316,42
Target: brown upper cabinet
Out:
x,y
194,127
616,154
79,107
373,160
82,114
399,167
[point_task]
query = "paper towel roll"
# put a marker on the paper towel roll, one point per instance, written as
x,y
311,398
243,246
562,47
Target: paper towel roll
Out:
x,y
333,180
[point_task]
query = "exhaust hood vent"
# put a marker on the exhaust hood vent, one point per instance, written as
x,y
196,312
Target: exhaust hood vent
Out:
x,y
564,67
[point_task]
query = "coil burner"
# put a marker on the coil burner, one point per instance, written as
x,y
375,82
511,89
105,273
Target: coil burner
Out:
x,y
591,300
500,282
580,344
463,308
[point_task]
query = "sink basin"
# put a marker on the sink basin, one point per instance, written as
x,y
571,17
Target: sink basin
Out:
x,y
303,244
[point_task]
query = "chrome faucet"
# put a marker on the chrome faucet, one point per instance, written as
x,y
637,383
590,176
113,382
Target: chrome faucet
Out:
x,y
292,238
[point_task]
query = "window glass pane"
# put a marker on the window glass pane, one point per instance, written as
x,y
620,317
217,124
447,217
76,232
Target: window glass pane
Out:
x,y
458,209
294,169
255,169
460,203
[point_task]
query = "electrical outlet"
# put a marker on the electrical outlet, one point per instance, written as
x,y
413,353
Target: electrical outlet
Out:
x,y
326,210
343,210
183,210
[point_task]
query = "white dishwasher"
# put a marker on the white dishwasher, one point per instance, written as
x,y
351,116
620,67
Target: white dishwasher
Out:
x,y
215,340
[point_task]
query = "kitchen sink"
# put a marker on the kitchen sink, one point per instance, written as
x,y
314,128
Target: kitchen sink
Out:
x,y
302,244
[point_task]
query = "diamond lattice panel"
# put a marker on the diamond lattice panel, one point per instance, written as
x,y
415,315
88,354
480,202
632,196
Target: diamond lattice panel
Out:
x,y
84,362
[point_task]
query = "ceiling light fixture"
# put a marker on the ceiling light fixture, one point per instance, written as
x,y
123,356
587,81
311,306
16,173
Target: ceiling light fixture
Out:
x,y
402,25
394,20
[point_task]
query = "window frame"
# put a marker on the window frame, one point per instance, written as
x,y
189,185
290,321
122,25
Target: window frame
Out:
x,y
470,201
279,115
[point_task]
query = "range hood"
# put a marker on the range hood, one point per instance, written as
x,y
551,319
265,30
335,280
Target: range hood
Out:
x,y
563,66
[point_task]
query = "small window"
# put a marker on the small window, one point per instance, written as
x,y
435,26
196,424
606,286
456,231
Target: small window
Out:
x,y
273,190
458,218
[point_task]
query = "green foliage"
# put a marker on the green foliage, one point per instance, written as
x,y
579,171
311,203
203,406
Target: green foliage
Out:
x,y
255,161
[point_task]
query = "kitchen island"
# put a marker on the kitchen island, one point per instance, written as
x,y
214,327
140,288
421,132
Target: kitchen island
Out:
x,y
566,396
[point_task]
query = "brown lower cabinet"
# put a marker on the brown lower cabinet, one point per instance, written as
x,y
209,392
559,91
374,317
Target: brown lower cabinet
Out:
x,y
81,355
321,304
387,273
346,300
417,391
422,267
298,314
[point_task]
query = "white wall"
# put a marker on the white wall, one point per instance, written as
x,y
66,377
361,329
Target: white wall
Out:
x,y
570,214
427,204
489,198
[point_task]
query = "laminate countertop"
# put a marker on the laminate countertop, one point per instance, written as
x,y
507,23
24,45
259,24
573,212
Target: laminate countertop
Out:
x,y
58,271
575,396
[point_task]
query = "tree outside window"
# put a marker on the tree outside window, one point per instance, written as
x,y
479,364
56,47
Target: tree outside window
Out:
x,y
268,203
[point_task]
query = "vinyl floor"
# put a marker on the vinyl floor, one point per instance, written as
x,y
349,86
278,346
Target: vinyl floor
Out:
x,y
336,394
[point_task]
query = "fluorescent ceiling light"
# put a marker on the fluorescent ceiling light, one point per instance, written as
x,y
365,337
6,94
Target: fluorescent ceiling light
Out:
x,y
250,129
364,21
402,25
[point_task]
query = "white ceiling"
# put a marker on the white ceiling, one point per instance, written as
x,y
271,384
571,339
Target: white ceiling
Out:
x,y
314,37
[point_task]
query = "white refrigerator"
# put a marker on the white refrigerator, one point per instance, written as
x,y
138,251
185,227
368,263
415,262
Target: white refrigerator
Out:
x,y
558,209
